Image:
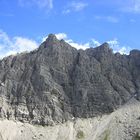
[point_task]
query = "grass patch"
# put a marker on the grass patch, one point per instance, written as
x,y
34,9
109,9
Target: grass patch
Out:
x,y
137,137
106,133
80,134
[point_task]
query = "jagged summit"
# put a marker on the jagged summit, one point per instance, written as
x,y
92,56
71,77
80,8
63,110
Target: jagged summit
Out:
x,y
105,45
51,37
52,40
104,48
58,82
134,52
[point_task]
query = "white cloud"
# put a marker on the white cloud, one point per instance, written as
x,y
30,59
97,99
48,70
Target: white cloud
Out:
x,y
77,45
95,43
43,38
78,6
42,4
108,18
132,6
14,45
66,11
61,36
24,44
112,19
11,46
115,45
74,7
124,50
58,35
71,42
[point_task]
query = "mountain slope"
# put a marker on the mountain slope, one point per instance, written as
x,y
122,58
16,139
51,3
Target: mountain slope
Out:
x,y
57,83
122,124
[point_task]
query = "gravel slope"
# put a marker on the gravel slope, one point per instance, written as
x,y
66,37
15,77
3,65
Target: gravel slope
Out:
x,y
123,124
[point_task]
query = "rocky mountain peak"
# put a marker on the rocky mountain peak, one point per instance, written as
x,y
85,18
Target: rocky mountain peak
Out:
x,y
51,37
51,41
135,52
58,82
104,47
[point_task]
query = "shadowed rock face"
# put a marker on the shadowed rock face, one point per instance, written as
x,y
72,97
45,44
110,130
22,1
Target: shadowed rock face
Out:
x,y
57,83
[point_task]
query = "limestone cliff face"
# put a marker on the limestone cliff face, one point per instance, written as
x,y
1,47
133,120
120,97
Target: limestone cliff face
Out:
x,y
56,82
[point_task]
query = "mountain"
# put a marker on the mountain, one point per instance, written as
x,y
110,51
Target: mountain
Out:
x,y
57,83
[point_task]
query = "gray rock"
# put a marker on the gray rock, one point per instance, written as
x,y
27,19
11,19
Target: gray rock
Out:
x,y
57,82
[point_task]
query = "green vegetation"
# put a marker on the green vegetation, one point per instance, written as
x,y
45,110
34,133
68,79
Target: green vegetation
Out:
x,y
80,134
137,137
106,133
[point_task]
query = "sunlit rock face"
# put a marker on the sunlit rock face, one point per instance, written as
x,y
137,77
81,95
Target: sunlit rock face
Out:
x,y
57,83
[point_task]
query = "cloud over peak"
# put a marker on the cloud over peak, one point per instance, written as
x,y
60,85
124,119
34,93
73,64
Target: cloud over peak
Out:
x,y
12,46
114,44
17,44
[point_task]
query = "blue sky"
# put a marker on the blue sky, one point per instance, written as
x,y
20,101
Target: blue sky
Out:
x,y
24,23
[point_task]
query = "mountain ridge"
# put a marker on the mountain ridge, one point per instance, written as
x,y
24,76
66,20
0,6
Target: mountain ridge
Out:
x,y
57,82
